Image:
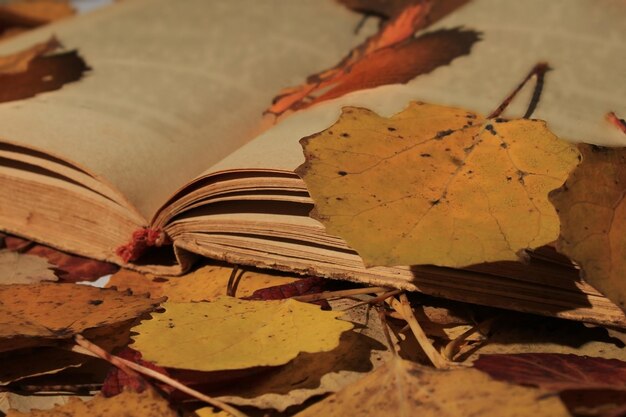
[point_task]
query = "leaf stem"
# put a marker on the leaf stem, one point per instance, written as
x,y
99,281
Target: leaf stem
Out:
x,y
336,294
86,347
539,71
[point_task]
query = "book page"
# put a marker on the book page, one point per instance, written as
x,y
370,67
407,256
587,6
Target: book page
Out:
x,y
174,86
582,40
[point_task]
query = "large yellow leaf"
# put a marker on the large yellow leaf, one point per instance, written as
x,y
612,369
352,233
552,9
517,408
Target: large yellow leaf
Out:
x,y
592,208
203,284
405,389
436,185
145,404
228,333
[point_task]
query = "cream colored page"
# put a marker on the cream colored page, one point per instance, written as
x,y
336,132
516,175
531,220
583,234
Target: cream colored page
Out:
x,y
175,85
582,40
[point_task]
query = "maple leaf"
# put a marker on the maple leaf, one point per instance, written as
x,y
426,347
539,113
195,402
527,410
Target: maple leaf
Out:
x,y
436,185
592,209
33,71
58,311
145,404
391,56
403,388
225,334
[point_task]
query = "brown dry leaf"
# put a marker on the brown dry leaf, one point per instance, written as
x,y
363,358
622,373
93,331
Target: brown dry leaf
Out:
x,y
34,71
436,185
402,388
145,404
25,403
592,209
203,284
16,268
59,311
384,8
19,16
225,334
391,56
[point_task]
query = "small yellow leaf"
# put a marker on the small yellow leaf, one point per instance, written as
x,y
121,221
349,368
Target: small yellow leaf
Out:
x,y
203,284
229,333
404,389
436,185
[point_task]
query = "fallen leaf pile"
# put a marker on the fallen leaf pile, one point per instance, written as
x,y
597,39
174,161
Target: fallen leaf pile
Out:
x,y
432,185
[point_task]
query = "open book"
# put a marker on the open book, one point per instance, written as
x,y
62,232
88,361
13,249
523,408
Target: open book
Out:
x,y
167,133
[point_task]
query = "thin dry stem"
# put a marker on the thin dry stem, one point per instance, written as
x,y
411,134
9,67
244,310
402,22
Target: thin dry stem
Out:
x,y
453,347
233,281
404,308
337,294
385,326
538,71
84,346
374,300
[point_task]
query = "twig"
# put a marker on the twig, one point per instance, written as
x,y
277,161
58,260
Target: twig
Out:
x,y
374,300
452,348
385,326
336,294
616,121
404,308
233,282
84,346
539,71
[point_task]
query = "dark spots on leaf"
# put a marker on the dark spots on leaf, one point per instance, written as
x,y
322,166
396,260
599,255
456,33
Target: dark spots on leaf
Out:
x,y
330,132
470,116
391,129
443,133
520,176
500,120
456,161
435,202
509,179
342,173
171,325
95,302
345,135
338,198
425,155
490,129
504,145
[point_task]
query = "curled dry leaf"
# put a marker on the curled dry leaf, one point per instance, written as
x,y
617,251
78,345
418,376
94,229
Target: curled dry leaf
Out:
x,y
145,404
34,71
592,209
402,388
59,311
436,185
391,56
225,334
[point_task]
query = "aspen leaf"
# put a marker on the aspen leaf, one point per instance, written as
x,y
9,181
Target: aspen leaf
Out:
x,y
59,311
229,333
436,185
203,284
592,208
145,404
405,389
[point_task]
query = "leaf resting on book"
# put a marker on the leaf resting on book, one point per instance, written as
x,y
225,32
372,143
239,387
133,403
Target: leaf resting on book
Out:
x,y
436,185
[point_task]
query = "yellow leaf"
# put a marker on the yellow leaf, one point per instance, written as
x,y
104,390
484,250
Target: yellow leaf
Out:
x,y
405,389
436,185
203,284
228,333
145,404
58,311
592,208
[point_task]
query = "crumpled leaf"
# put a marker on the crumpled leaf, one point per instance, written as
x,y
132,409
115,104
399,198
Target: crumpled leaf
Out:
x,y
225,334
402,388
16,268
203,284
59,311
145,404
33,71
68,267
436,185
391,56
592,209
25,403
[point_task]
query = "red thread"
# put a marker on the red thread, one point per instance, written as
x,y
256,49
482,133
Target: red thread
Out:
x,y
142,240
